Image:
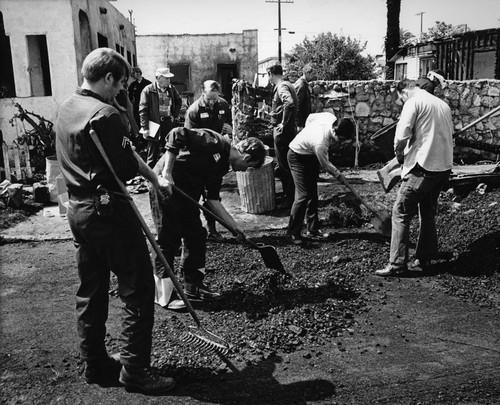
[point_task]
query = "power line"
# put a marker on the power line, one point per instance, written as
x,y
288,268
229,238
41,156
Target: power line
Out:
x,y
279,22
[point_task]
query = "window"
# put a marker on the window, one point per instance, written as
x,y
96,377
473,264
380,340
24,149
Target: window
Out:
x,y
102,41
400,72
181,77
426,66
134,59
7,86
38,65
117,48
484,65
129,57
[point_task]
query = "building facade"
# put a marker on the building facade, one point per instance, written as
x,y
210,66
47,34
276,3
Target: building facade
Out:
x,y
42,46
199,57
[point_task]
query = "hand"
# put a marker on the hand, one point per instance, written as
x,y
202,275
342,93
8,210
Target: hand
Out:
x,y
240,236
165,184
340,177
227,129
145,133
400,156
279,128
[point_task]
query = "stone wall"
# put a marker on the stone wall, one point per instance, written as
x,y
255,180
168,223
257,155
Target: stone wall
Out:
x,y
373,105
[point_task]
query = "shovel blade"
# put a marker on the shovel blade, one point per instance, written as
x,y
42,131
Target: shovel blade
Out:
x,y
271,258
382,223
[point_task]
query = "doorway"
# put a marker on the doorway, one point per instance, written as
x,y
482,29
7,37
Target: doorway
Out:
x,y
225,75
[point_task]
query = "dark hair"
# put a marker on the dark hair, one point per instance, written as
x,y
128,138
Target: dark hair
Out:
x,y
102,61
255,148
275,69
345,129
137,70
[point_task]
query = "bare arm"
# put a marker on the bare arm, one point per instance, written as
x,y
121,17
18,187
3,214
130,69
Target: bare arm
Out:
x,y
218,209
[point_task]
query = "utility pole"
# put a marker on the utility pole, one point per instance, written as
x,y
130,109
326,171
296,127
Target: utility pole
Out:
x,y
279,23
421,14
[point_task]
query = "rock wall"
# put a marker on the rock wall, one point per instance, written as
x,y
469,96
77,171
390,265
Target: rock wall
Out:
x,y
374,105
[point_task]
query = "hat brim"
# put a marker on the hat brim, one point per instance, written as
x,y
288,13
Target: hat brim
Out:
x,y
167,75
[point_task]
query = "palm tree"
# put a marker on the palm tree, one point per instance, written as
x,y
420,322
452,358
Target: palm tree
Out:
x,y
392,37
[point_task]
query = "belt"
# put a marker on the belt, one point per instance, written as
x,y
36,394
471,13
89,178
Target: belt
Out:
x,y
98,192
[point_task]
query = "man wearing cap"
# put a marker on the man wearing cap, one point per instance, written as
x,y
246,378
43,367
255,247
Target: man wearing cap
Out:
x,y
135,89
160,104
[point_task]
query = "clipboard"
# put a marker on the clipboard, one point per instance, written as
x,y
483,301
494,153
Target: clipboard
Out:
x,y
153,129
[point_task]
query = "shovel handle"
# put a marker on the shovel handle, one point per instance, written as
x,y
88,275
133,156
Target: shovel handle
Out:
x,y
146,230
344,181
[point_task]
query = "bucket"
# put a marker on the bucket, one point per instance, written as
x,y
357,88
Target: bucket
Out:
x,y
384,140
257,189
52,170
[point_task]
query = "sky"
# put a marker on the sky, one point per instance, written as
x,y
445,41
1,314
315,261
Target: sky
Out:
x,y
364,20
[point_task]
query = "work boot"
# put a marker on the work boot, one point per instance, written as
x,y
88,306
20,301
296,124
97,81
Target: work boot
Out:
x,y
392,271
145,380
201,292
316,234
215,236
104,372
297,240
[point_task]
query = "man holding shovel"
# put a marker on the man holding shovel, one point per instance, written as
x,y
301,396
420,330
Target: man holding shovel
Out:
x,y
308,151
424,146
192,156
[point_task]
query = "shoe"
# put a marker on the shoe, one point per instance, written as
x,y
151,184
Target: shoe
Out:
x,y
145,380
419,264
296,239
201,292
215,236
391,271
104,372
176,305
317,234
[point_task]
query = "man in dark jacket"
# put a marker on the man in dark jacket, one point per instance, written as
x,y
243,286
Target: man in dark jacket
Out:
x,y
283,112
160,104
213,112
107,234
134,91
303,96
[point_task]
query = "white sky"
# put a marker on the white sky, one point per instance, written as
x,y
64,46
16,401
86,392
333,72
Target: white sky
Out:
x,y
364,20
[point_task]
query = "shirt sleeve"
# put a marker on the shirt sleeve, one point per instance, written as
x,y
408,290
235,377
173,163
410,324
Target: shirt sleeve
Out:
x,y
191,118
113,136
404,128
288,102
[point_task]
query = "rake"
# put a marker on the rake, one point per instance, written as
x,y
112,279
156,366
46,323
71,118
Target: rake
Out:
x,y
198,336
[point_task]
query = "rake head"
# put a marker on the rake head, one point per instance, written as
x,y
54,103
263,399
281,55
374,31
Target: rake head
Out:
x,y
205,341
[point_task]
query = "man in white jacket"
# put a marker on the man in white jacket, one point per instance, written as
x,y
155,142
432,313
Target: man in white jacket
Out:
x,y
424,145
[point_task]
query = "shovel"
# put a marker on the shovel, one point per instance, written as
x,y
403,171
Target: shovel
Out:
x,y
382,220
268,252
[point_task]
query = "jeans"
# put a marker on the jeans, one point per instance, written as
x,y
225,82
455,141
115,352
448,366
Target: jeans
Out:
x,y
419,193
112,241
305,171
281,142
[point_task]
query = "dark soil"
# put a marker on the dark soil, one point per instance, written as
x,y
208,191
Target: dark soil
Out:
x,y
328,321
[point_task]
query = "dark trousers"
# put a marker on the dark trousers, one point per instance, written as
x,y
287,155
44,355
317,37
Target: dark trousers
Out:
x,y
112,242
282,171
305,171
177,222
155,145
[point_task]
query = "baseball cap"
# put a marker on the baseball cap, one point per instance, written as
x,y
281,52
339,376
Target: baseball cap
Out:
x,y
165,72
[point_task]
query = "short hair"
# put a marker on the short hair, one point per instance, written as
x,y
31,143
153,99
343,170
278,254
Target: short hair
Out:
x,y
211,85
137,69
308,68
275,69
345,129
405,84
255,148
102,61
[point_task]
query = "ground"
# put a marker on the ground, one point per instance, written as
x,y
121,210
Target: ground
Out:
x,y
334,333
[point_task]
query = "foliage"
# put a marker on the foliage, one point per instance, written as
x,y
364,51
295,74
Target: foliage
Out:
x,y
407,38
41,138
333,57
438,31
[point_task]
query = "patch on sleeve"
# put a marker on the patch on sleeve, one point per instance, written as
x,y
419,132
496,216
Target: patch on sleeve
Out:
x,y
204,115
125,142
217,157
